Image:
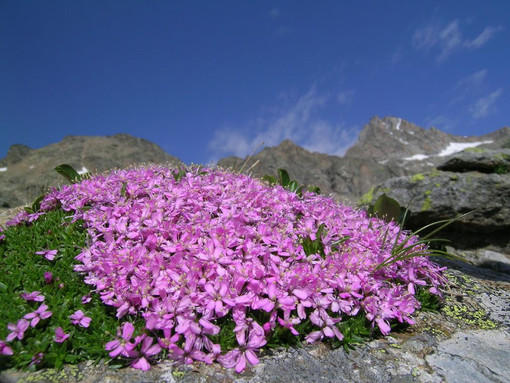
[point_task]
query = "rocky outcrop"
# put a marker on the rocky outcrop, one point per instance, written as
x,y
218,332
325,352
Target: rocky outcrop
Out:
x,y
479,160
465,184
26,173
393,137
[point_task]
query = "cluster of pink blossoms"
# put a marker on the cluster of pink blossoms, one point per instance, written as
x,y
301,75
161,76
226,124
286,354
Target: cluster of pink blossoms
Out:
x,y
18,329
183,252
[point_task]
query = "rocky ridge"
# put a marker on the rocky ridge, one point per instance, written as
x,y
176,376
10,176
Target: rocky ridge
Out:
x,y
386,148
25,173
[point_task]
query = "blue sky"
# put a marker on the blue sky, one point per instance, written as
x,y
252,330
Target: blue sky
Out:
x,y
207,79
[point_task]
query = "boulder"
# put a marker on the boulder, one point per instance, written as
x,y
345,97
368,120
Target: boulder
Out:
x,y
464,185
479,160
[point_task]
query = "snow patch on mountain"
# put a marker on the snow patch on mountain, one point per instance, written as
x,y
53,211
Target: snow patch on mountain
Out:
x,y
398,124
456,147
417,157
453,147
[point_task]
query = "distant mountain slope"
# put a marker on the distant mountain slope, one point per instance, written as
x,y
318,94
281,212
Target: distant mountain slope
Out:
x,y
393,137
333,174
25,172
386,148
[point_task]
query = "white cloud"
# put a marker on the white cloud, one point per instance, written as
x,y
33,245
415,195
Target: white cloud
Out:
x,y
448,38
275,12
472,81
324,137
396,56
344,97
299,122
426,37
485,105
482,38
468,85
283,31
441,122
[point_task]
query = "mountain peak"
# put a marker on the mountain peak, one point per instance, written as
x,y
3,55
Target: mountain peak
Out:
x,y
393,137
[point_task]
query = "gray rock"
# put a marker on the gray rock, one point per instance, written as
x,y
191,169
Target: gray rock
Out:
x,y
343,177
15,154
392,137
473,356
440,195
480,160
485,258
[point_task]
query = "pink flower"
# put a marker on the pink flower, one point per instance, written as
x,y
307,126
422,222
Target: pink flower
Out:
x,y
20,218
147,351
79,318
122,346
34,216
86,299
36,359
17,330
48,277
60,335
4,349
48,254
185,248
33,296
246,352
38,314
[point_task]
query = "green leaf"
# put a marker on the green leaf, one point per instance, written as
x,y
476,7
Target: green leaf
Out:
x,y
293,186
284,177
270,179
68,172
387,208
36,205
314,189
178,175
123,192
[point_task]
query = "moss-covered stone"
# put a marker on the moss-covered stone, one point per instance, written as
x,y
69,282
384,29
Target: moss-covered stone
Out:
x,y
367,198
475,150
478,318
427,203
417,177
70,373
